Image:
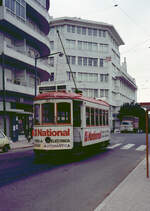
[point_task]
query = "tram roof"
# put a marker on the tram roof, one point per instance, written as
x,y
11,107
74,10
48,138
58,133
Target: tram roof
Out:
x,y
69,95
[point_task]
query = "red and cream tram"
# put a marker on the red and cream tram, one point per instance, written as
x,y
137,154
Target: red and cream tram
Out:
x,y
65,121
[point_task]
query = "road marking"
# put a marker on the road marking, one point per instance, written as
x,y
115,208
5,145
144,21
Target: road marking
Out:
x,y
113,146
128,146
141,148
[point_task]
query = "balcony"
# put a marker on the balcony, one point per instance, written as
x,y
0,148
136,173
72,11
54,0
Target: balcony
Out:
x,y
23,56
18,86
9,18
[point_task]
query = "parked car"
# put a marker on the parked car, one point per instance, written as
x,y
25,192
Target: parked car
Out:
x,y
4,142
116,130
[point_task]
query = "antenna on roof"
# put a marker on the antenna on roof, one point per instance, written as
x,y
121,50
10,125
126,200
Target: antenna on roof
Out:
x,y
76,89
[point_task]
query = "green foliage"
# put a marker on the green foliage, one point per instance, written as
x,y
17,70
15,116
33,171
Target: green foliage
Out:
x,y
133,109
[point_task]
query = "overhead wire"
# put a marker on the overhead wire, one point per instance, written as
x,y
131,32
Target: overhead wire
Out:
x,y
137,25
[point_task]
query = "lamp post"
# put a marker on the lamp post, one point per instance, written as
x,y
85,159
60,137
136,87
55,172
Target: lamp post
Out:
x,y
40,57
4,97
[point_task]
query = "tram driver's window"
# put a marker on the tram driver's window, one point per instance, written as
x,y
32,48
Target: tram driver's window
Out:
x,y
63,113
36,114
48,113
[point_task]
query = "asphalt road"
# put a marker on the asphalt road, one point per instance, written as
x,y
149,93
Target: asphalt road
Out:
x,y
78,184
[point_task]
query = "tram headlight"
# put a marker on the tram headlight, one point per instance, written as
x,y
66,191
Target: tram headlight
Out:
x,y
48,140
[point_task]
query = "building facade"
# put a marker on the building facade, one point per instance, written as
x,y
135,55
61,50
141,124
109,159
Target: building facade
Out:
x,y
92,50
24,26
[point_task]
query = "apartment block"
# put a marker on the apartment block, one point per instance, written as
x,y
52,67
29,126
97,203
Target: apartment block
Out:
x,y
92,51
24,26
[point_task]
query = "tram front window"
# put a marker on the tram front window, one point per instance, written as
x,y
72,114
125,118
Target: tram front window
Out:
x,y
48,113
63,113
36,114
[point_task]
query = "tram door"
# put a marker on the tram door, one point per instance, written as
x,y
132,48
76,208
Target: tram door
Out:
x,y
77,114
77,121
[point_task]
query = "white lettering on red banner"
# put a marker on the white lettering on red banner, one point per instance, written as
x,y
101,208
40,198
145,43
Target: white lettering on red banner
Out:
x,y
91,136
50,132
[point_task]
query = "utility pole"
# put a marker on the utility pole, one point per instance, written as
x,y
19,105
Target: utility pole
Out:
x,y
4,95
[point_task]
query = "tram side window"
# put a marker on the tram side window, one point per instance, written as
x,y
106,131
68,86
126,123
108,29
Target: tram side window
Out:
x,y
63,113
87,116
97,117
107,123
104,122
48,113
100,117
92,116
37,114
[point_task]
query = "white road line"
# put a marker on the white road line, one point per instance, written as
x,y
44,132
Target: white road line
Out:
x,y
128,146
113,146
141,148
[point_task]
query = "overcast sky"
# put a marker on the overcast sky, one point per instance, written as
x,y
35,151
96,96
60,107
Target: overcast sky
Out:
x,y
131,20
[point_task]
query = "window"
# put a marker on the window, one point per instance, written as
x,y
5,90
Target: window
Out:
x,y
80,45
103,48
104,33
89,31
73,29
79,60
68,28
69,75
89,61
63,113
85,45
37,114
100,117
101,62
51,61
100,33
95,47
104,77
48,113
89,46
18,7
73,60
95,62
51,45
92,116
87,116
94,32
85,61
71,43
83,30
78,30
96,117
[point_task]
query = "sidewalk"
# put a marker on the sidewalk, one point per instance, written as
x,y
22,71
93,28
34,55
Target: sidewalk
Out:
x,y
133,194
21,144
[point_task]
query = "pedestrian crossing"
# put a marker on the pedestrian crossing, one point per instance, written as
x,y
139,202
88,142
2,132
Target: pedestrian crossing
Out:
x,y
128,146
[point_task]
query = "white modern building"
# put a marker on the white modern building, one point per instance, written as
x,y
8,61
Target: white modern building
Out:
x,y
24,26
92,50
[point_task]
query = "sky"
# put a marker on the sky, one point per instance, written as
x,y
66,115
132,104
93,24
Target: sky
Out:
x,y
131,20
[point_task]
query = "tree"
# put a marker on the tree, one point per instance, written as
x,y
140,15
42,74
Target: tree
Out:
x,y
133,109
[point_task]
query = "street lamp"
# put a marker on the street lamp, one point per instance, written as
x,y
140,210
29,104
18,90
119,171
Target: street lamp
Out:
x,y
4,97
40,57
